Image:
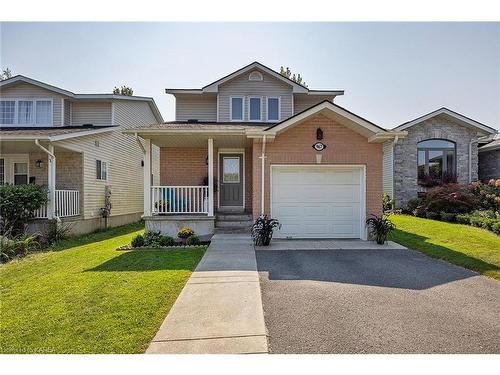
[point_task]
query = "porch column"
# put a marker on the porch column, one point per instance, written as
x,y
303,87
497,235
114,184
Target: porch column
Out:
x,y
51,183
147,177
210,177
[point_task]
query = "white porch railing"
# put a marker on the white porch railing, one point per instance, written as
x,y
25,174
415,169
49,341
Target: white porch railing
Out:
x,y
67,204
179,199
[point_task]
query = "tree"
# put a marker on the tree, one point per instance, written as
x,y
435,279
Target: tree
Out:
x,y
6,74
295,78
124,90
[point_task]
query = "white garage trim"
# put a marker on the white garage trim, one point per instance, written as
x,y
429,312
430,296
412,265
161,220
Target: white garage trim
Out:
x,y
362,193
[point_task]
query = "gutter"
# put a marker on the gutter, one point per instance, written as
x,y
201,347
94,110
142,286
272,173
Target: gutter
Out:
x,y
140,144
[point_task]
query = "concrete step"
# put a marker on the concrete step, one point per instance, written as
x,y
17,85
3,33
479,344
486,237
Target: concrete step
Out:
x,y
233,217
233,224
219,230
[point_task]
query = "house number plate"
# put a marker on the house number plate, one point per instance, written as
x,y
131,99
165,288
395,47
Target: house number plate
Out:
x,y
319,146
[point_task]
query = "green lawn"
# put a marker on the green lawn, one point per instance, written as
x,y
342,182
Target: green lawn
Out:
x,y
466,246
87,297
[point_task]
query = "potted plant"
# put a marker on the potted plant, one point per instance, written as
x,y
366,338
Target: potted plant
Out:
x,y
380,227
262,230
184,233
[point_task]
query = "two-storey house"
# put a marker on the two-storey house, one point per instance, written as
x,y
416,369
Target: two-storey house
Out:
x,y
255,142
74,144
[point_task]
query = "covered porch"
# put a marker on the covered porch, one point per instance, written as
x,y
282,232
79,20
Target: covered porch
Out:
x,y
203,172
39,161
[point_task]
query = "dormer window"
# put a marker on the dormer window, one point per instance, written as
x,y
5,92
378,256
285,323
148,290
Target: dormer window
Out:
x,y
255,76
273,109
26,112
255,108
236,108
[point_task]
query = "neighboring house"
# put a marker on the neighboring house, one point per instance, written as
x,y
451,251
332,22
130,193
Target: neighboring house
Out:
x,y
440,146
74,144
256,142
489,158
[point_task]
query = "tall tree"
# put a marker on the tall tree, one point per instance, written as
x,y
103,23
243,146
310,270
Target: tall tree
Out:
x,y
6,74
124,90
286,72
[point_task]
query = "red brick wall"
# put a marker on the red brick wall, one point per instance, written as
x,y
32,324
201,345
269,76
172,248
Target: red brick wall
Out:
x,y
187,166
344,146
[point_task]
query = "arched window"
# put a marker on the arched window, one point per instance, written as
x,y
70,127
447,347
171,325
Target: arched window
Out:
x,y
436,160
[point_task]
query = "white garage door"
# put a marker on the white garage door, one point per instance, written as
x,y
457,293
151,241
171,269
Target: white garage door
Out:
x,y
317,201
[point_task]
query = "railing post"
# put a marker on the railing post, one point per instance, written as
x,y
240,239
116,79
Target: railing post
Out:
x,y
210,177
147,177
51,183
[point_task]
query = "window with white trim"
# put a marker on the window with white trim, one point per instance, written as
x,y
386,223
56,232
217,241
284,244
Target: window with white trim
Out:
x,y
273,109
236,108
101,170
255,108
20,173
26,112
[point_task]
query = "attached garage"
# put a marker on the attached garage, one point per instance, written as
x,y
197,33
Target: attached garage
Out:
x,y
318,201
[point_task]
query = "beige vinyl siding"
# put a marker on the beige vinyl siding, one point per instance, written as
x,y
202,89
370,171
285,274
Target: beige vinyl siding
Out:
x,y
269,87
123,156
67,112
96,113
27,91
388,168
303,102
200,107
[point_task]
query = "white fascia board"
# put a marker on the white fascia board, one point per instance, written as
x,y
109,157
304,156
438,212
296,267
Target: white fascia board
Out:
x,y
54,138
385,136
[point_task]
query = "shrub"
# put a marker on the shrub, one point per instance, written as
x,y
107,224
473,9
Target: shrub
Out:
x,y
476,221
412,204
152,238
432,215
185,232
446,216
388,203
488,195
137,241
17,247
56,231
380,227
496,227
262,230
463,219
451,198
18,204
193,240
167,241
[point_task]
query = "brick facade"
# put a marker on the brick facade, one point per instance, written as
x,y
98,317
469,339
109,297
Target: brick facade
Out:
x,y
187,166
405,154
344,146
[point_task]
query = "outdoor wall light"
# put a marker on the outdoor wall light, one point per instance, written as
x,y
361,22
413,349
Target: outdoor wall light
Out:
x,y
39,163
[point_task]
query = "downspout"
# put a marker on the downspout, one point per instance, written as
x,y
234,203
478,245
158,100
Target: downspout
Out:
x,y
262,171
396,139
140,143
44,149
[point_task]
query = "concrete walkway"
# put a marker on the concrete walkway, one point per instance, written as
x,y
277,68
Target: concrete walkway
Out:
x,y
219,310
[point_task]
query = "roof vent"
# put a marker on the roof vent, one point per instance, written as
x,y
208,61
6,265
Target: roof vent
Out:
x,y
255,76
192,120
87,125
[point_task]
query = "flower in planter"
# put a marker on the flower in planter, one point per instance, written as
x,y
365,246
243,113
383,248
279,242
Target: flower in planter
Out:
x,y
184,233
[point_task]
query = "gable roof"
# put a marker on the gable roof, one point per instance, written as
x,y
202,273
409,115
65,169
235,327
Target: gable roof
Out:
x,y
448,112
214,86
356,123
20,78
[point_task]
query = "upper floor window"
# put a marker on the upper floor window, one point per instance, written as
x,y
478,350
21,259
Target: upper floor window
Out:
x,y
436,161
236,108
255,108
101,170
273,109
25,112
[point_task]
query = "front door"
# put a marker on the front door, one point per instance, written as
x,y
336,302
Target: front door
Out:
x,y
231,180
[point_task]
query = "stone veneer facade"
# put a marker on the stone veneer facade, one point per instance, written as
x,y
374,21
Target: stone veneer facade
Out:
x,y
489,165
405,154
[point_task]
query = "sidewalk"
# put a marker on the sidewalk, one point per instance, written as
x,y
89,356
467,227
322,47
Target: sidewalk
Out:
x,y
220,308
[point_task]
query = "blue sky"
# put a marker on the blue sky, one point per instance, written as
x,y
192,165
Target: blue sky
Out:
x,y
391,72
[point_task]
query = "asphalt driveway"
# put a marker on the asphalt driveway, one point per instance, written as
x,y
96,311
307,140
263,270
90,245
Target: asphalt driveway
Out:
x,y
375,301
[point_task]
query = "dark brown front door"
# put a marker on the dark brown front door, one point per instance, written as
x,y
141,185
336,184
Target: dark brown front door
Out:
x,y
231,180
